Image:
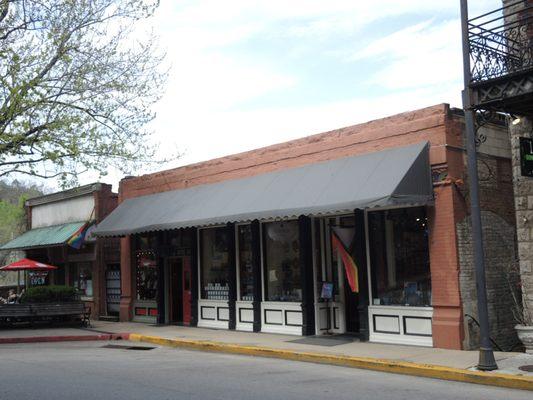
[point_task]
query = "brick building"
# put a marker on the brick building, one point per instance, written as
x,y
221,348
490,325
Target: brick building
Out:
x,y
246,241
94,268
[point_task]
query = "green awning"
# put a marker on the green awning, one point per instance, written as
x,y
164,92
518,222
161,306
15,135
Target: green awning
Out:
x,y
43,237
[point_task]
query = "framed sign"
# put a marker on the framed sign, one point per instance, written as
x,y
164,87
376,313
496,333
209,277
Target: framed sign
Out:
x,y
526,157
327,291
37,278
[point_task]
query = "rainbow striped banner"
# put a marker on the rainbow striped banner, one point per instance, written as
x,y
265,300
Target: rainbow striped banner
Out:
x,y
76,240
349,264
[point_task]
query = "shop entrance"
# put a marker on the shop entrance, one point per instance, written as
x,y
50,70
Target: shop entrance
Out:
x,y
337,304
178,293
351,302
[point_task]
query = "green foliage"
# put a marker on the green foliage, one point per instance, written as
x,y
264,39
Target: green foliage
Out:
x,y
16,191
11,221
12,216
77,82
49,294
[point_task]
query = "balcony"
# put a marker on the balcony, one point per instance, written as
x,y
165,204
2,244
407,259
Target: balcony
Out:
x,y
501,59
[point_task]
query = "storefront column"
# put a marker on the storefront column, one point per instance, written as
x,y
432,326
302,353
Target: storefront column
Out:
x,y
306,275
256,271
448,331
193,232
232,276
360,261
126,282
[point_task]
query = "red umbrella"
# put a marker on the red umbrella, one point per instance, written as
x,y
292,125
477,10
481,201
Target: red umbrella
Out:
x,y
26,264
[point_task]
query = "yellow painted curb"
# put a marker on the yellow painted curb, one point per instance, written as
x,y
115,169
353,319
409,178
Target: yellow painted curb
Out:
x,y
398,367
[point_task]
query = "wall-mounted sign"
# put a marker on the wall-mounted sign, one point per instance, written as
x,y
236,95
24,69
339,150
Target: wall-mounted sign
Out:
x,y
526,156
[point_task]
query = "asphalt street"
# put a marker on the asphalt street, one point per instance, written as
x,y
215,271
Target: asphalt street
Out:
x,y
88,370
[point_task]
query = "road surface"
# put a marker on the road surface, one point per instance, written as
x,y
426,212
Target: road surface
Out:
x,y
87,370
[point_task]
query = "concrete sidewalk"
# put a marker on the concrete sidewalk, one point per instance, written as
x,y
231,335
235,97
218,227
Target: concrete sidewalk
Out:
x,y
340,350
423,355
52,334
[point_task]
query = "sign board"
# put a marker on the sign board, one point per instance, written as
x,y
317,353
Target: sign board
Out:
x,y
37,278
327,291
526,156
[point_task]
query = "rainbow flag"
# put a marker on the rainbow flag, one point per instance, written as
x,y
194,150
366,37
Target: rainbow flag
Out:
x,y
76,240
349,264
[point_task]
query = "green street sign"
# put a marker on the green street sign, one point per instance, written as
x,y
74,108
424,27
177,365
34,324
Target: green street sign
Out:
x,y
526,156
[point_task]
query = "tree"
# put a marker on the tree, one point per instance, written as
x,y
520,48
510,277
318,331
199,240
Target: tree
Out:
x,y
77,85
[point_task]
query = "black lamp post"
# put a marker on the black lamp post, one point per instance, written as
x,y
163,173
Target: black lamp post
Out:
x,y
486,354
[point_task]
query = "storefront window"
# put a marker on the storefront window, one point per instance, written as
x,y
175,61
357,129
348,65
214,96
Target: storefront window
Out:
x,y
282,269
81,275
146,275
214,263
400,257
246,277
59,275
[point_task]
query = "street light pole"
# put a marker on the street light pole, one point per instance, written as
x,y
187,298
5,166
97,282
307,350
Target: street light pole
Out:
x,y
486,354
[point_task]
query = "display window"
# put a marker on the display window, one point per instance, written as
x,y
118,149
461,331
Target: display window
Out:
x,y
399,254
281,261
146,275
81,276
214,263
246,279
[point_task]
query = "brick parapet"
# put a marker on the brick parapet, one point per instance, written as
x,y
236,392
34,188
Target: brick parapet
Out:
x,y
403,129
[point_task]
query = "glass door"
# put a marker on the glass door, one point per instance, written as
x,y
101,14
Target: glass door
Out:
x,y
329,277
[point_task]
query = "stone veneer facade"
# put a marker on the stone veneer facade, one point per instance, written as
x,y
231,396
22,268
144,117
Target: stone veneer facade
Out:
x,y
523,192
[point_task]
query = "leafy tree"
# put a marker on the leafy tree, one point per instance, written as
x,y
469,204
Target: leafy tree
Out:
x,y
11,220
13,196
77,82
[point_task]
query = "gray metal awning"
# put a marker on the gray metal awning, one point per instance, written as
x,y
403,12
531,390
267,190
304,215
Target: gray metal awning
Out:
x,y
399,176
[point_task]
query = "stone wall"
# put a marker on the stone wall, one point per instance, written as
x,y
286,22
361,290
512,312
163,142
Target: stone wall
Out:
x,y
523,192
499,239
499,246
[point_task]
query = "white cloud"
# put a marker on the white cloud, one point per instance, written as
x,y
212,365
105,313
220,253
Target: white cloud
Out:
x,y
426,54
237,131
207,110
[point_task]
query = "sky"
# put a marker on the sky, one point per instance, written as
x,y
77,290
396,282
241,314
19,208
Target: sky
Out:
x,y
250,73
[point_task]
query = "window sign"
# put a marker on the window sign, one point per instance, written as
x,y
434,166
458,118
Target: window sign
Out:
x,y
327,290
37,278
146,275
526,156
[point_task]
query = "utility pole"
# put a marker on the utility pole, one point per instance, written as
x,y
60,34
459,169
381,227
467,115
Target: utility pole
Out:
x,y
486,354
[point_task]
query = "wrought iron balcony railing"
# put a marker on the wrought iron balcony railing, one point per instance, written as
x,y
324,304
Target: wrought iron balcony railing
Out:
x,y
501,41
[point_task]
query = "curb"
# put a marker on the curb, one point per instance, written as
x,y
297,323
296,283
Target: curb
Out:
x,y
66,338
375,364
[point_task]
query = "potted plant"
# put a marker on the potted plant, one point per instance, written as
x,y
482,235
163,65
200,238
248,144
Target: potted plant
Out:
x,y
522,310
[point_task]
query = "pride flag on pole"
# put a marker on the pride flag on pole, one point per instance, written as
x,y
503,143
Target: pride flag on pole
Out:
x,y
349,264
76,240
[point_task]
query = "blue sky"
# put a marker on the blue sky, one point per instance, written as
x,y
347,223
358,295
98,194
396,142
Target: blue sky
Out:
x,y
249,73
